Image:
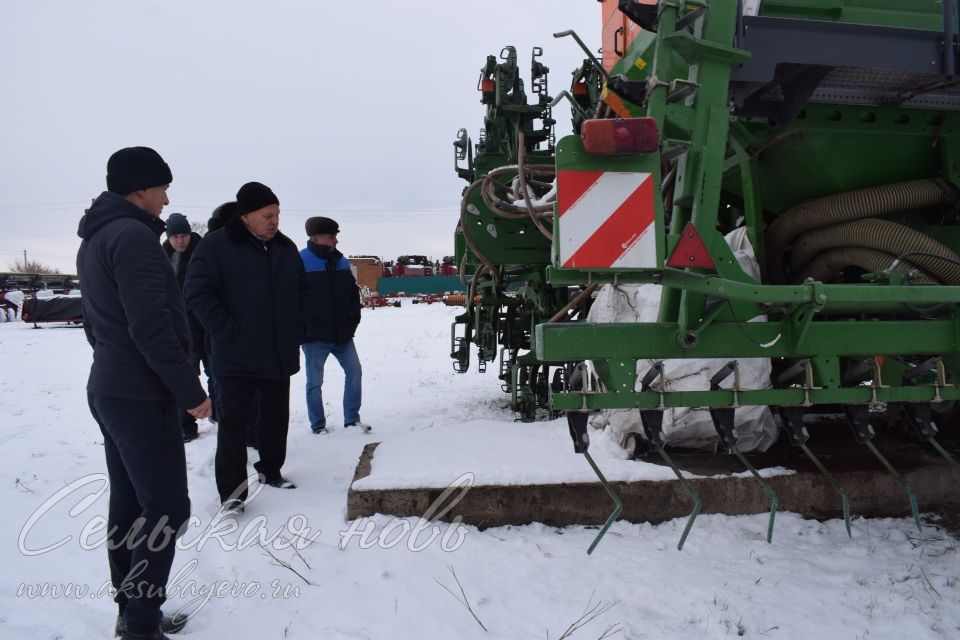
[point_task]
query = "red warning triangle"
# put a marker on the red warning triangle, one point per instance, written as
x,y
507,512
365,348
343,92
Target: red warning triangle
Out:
x,y
690,251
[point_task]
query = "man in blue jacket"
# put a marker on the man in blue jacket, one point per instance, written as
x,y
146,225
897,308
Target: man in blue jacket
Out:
x,y
135,321
247,287
333,314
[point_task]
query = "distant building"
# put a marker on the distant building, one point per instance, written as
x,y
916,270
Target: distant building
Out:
x,y
366,269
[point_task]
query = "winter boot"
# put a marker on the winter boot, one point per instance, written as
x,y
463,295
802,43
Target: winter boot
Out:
x,y
277,482
168,624
359,426
156,634
231,506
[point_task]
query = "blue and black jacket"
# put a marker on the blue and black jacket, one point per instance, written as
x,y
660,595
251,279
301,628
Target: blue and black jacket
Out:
x,y
333,311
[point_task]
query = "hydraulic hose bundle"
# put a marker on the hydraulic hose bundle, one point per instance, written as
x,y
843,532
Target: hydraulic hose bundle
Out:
x,y
829,234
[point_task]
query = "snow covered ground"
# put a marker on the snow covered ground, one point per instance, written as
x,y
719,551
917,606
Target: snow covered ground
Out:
x,y
392,582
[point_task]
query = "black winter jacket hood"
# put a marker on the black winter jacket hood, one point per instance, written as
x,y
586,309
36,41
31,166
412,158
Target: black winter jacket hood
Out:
x,y
109,207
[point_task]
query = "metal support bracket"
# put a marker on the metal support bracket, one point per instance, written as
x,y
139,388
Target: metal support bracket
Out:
x,y
940,381
681,89
805,368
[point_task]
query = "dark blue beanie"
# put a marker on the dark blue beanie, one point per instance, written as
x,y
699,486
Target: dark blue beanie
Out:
x,y
177,223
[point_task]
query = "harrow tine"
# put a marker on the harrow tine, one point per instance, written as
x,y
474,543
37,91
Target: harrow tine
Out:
x,y
774,499
697,502
792,420
577,423
859,420
617,504
906,485
653,427
920,418
723,422
844,498
652,421
949,458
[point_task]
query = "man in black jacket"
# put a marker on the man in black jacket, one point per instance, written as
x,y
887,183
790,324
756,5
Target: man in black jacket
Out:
x,y
217,220
135,320
332,318
179,246
247,287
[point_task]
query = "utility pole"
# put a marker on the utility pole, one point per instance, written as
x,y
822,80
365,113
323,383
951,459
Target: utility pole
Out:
x,y
24,260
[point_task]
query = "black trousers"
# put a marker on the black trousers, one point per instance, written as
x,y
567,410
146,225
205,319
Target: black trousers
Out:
x,y
148,500
237,401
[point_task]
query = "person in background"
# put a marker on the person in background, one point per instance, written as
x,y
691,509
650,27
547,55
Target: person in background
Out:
x,y
179,246
142,370
247,287
220,216
332,317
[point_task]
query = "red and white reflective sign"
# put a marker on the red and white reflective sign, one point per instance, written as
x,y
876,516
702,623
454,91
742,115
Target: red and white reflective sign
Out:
x,y
606,220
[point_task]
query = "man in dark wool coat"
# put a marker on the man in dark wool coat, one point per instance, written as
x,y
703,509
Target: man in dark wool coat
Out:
x,y
179,246
135,320
247,286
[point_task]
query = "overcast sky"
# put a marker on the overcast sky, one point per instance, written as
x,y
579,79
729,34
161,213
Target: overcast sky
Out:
x,y
345,109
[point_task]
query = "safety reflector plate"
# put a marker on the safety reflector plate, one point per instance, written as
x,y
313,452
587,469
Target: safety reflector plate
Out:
x,y
606,220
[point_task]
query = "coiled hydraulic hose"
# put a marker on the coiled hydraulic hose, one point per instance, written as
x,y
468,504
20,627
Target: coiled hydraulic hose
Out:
x,y
882,235
526,176
522,174
467,229
852,205
828,265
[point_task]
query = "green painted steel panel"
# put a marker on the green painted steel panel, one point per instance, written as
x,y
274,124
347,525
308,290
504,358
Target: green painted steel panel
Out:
x,y
572,342
759,397
419,284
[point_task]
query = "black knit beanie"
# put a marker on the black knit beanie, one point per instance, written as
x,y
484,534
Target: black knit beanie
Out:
x,y
253,196
221,215
135,168
319,226
177,223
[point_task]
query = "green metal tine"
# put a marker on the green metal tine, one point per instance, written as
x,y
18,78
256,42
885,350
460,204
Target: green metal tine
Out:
x,y
791,417
723,422
944,453
618,504
577,423
653,428
844,498
906,485
920,416
774,499
859,418
697,502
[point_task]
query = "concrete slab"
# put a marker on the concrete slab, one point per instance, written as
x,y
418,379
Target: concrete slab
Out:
x,y
873,492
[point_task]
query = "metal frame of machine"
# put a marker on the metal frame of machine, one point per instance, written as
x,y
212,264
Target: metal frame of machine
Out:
x,y
829,128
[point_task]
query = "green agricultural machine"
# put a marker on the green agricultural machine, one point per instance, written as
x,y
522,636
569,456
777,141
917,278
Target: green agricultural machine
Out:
x,y
827,129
